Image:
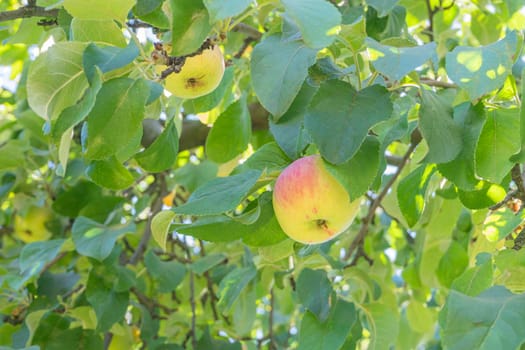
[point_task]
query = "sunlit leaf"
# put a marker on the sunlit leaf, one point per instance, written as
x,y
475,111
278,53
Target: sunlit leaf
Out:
x,y
56,79
278,69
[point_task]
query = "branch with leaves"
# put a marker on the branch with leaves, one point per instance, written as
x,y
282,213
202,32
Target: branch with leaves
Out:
x,y
357,242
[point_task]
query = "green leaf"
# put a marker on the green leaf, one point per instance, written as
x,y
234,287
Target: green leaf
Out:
x,y
207,262
317,20
509,267
109,304
34,256
480,70
162,153
190,26
441,132
452,264
100,31
192,176
73,115
96,240
157,18
330,334
71,201
397,62
116,117
245,310
278,70
212,100
411,193
99,9
169,274
492,320
313,291
230,134
232,285
269,158
357,174
420,317
207,342
265,231
110,174
288,130
501,223
383,7
384,325
484,195
12,154
160,226
219,195
461,170
220,10
145,7
218,228
437,238
499,140
339,117
476,279
53,333
56,79
108,58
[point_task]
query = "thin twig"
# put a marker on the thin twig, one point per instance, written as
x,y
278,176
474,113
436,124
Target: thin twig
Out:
x,y
438,83
150,304
272,345
209,286
519,241
416,138
53,262
431,13
517,177
248,30
193,308
27,12
156,207
108,336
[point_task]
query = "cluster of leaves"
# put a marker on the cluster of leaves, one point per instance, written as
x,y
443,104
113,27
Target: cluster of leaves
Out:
x,y
163,231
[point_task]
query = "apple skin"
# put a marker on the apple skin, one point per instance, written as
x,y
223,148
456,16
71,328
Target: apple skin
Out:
x,y
32,226
310,204
200,74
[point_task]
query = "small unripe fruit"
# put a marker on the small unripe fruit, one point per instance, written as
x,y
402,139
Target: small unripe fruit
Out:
x,y
32,226
200,74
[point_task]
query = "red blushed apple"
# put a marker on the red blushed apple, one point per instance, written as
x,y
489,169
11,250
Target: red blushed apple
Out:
x,y
310,204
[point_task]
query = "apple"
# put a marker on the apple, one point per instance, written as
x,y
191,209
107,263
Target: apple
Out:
x,y
200,74
31,226
310,204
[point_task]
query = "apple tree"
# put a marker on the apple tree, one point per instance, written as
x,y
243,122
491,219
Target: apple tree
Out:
x,y
137,217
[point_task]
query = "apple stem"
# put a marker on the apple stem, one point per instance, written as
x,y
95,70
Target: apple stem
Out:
x,y
322,223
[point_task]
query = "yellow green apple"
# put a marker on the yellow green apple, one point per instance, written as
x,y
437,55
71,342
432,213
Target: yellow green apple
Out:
x,y
30,226
310,204
200,74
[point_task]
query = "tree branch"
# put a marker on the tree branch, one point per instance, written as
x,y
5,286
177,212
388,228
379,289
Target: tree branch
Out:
x,y
250,31
209,286
28,11
358,240
193,330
